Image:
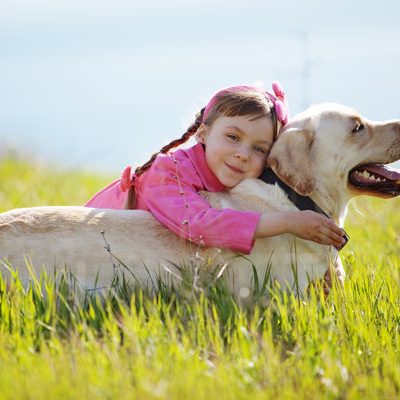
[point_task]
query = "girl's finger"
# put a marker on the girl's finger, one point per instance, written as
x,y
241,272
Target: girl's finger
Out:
x,y
333,227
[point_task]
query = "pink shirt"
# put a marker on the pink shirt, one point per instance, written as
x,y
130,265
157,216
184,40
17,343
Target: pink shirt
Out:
x,y
169,189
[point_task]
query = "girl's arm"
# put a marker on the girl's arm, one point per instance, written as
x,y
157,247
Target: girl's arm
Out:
x,y
304,224
177,204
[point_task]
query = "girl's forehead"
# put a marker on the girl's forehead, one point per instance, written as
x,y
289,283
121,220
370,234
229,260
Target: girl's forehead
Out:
x,y
258,127
244,121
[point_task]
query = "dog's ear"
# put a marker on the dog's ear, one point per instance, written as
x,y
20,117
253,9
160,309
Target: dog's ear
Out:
x,y
290,159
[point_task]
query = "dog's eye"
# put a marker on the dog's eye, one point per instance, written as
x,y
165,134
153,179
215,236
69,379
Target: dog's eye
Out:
x,y
359,127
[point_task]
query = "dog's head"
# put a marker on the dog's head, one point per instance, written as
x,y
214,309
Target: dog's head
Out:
x,y
332,147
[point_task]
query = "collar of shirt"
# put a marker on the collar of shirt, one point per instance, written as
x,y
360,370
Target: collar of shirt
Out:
x,y
197,156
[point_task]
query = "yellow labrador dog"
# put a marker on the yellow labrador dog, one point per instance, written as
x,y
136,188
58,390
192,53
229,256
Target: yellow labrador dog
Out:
x,y
328,153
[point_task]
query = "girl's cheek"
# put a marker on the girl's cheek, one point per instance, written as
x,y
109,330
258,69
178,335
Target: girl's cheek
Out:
x,y
261,157
261,165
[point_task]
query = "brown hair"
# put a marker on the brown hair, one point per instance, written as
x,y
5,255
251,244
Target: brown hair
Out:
x,y
229,104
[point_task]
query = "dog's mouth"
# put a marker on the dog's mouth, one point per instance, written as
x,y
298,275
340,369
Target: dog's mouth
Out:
x,y
377,179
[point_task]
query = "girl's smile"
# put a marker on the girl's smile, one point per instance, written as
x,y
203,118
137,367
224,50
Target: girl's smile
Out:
x,y
234,169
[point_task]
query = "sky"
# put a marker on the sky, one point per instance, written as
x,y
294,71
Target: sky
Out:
x,y
97,85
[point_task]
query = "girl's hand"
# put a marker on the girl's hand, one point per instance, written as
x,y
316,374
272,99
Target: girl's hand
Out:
x,y
304,224
316,227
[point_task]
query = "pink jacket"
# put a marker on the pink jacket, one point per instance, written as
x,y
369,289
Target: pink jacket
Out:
x,y
169,189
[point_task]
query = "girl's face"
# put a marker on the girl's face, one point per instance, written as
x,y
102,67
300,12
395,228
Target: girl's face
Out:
x,y
237,147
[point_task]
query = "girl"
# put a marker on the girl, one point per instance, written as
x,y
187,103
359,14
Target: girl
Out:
x,y
234,132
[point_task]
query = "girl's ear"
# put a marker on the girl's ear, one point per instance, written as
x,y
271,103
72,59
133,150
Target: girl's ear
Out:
x,y
201,134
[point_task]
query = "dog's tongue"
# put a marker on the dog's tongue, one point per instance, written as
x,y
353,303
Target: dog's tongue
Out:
x,y
384,171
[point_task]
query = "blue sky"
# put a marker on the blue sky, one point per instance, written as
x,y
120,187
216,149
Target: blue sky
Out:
x,y
99,84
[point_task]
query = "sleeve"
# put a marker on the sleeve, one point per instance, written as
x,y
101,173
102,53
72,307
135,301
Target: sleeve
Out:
x,y
170,191
109,197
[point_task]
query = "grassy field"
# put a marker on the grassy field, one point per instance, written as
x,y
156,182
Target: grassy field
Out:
x,y
185,344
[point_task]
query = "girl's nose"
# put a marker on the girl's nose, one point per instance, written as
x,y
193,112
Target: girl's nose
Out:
x,y
243,154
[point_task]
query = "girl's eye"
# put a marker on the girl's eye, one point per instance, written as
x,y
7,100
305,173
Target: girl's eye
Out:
x,y
233,136
260,149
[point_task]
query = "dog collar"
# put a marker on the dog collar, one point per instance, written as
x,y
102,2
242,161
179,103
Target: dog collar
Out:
x,y
301,202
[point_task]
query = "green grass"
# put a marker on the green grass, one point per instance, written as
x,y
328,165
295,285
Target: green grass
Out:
x,y
27,184
185,344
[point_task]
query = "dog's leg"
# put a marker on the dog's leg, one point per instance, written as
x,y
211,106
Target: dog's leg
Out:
x,y
336,269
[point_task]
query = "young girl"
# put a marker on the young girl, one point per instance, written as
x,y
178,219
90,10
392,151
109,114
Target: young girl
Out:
x,y
234,132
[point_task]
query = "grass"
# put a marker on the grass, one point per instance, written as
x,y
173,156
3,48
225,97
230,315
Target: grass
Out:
x,y
185,343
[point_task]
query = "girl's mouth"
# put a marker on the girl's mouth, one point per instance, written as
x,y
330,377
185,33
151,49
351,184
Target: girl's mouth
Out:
x,y
234,169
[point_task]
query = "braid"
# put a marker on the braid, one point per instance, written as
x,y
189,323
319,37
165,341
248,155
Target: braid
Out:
x,y
185,137
130,203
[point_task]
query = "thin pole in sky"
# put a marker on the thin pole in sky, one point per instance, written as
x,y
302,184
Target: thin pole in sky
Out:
x,y
306,70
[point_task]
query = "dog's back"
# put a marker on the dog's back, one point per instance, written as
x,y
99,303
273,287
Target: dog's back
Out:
x,y
90,242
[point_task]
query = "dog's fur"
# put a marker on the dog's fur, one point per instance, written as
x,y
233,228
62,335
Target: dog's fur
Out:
x,y
314,154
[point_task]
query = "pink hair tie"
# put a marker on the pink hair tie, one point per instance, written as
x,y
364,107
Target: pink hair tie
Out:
x,y
278,100
126,179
